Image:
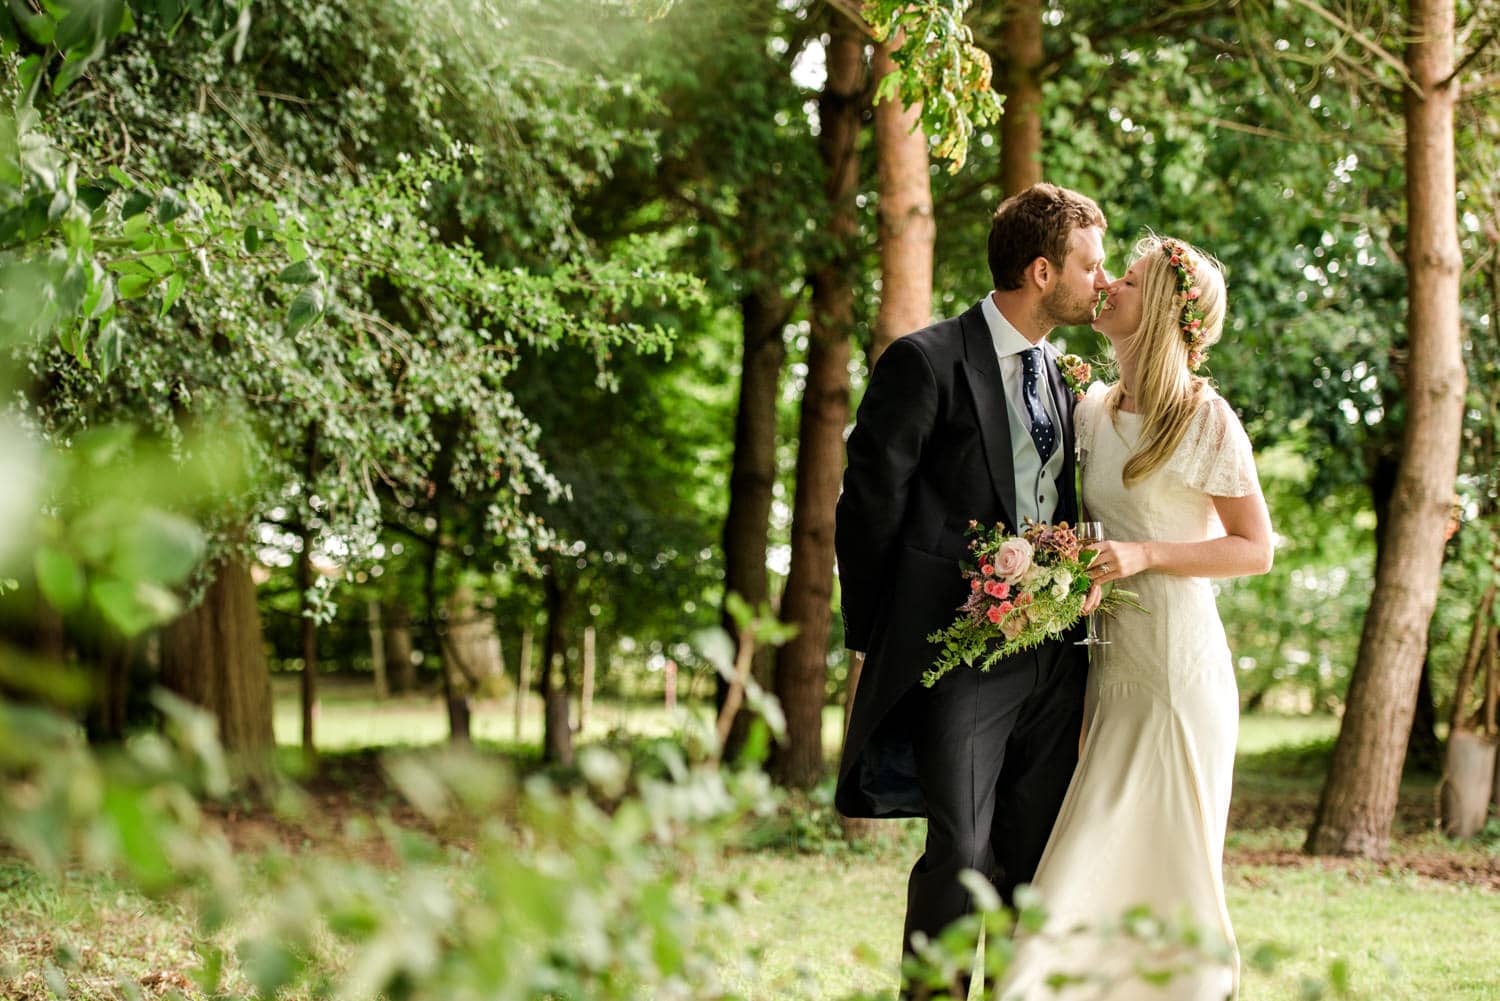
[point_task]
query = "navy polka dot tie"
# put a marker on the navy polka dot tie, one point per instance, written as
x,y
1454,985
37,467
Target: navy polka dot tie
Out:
x,y
1042,432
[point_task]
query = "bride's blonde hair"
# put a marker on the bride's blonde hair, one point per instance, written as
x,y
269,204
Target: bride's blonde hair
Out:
x,y
1167,394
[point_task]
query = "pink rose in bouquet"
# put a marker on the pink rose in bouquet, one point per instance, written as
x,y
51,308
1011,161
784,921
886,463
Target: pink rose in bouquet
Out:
x,y
1023,590
1013,559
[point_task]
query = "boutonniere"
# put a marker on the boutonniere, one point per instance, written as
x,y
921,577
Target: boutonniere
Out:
x,y
1077,373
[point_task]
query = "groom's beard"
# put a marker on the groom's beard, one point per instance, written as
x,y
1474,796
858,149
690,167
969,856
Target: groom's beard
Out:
x,y
1065,309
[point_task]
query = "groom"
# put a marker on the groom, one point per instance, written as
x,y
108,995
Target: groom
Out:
x,y
968,419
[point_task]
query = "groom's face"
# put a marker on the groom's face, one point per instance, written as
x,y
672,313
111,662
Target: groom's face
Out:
x,y
1075,287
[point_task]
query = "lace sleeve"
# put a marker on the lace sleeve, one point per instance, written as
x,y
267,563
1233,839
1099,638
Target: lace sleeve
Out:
x,y
1215,454
1086,418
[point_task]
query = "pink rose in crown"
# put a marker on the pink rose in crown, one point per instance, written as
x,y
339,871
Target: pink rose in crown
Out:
x,y
974,584
994,613
1013,559
987,569
996,588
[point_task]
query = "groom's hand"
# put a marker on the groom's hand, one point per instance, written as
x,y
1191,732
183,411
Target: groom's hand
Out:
x,y
1092,599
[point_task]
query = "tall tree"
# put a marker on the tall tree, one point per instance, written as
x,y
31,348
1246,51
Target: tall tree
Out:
x,y
764,311
1359,797
802,663
907,229
1021,120
223,630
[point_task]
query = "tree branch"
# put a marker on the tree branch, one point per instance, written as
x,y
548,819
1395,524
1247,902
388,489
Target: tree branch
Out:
x,y
1481,87
1374,48
1472,54
854,12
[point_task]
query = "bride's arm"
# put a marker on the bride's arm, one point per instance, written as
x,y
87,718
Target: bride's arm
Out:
x,y
1245,549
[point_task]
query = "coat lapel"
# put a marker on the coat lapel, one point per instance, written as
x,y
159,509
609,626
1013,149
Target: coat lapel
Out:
x,y
1062,397
982,369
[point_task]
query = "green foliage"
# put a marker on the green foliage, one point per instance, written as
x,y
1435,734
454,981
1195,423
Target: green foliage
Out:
x,y
939,67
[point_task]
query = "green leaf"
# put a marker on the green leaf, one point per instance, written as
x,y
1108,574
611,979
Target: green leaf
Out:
x,y
135,286
40,27
133,606
1339,976
160,546
160,264
120,177
302,272
170,206
269,965
92,196
103,297
74,66
135,204
111,347
137,836
59,577
252,239
175,285
306,307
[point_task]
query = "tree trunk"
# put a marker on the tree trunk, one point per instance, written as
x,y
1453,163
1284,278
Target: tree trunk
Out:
x,y
212,656
802,664
472,645
1021,120
907,228
1424,752
377,651
113,656
309,630
523,679
557,735
586,693
1468,781
309,625
764,312
50,637
1359,797
398,647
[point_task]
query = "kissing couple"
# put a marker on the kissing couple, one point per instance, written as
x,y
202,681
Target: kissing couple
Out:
x,y
1102,781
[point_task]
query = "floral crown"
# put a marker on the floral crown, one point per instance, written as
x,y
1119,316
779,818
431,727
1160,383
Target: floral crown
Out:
x,y
1191,314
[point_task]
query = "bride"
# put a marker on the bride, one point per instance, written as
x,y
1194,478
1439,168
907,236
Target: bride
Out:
x,y
1168,470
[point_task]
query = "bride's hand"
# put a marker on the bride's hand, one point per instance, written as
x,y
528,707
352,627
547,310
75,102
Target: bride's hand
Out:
x,y
1092,599
1117,560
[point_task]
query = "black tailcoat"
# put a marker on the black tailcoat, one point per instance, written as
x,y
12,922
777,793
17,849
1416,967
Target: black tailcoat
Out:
x,y
930,451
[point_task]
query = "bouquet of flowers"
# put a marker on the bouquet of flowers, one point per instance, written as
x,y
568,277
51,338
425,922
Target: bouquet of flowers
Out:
x,y
1023,589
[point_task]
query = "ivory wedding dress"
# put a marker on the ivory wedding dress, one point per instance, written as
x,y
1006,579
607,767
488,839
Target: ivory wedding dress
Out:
x,y
1144,818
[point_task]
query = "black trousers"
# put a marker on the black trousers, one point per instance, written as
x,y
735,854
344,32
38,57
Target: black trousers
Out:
x,y
995,752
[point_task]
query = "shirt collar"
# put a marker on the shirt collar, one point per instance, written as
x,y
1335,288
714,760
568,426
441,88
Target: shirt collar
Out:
x,y
1008,340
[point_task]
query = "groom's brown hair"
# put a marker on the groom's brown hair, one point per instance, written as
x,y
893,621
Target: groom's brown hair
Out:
x,y
1036,223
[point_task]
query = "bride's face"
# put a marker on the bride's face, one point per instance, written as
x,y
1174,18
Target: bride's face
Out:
x,y
1121,312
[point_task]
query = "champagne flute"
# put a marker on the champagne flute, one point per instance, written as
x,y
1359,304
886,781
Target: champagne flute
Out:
x,y
1087,532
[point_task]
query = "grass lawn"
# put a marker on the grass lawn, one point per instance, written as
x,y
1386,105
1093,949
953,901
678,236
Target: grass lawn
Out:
x,y
1407,938
827,918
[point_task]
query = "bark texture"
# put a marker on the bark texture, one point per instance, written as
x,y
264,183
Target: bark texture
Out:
x,y
557,736
764,312
1021,121
212,656
907,227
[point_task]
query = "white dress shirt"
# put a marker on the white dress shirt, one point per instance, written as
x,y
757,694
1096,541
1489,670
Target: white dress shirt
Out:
x,y
1036,482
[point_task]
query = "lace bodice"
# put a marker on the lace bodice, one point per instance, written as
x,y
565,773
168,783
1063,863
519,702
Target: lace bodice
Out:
x,y
1214,459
